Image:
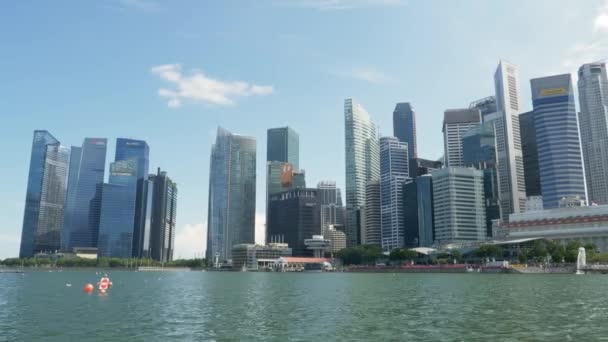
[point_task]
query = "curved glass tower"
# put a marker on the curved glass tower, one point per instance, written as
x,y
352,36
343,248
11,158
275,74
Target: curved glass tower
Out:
x,y
232,177
362,164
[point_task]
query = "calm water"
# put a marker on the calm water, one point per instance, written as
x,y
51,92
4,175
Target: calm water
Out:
x,y
199,306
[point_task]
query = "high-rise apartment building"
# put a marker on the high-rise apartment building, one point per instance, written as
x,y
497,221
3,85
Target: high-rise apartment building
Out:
x,y
404,127
456,122
458,202
394,171
163,216
530,153
510,168
232,180
45,196
593,119
83,203
362,164
559,151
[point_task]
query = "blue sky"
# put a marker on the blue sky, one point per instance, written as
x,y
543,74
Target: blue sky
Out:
x,y
170,72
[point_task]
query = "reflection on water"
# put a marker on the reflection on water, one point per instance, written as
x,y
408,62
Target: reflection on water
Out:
x,y
303,307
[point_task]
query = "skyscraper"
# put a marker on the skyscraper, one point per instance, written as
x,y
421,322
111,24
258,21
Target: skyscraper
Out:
x,y
162,217
404,127
372,229
456,122
512,188
458,205
419,166
44,200
330,204
83,204
530,153
138,150
283,145
394,171
479,152
293,217
118,205
418,212
486,106
232,177
593,119
559,151
362,164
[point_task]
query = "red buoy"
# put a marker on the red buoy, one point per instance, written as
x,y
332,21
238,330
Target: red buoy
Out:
x,y
88,288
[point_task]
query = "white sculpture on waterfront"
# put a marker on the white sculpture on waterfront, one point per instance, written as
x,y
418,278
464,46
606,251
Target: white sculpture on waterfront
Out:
x,y
581,260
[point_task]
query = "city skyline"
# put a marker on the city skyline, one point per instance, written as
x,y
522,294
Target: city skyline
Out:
x,y
181,135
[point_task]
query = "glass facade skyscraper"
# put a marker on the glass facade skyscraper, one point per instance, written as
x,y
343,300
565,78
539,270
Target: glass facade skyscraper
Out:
x,y
479,152
557,137
404,127
294,216
83,203
529,151
394,171
593,119
45,190
138,150
232,181
118,210
418,212
283,144
163,216
362,154
52,200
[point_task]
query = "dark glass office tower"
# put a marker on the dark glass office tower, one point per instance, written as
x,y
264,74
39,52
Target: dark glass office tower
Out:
x,y
419,167
42,142
404,127
530,154
294,216
162,217
118,210
83,205
231,211
283,145
138,150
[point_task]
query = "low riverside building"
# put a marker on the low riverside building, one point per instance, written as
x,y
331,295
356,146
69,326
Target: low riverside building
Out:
x,y
299,264
583,224
257,257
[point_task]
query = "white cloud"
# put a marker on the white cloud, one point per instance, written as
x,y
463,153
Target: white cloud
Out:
x,y
582,53
601,20
142,5
337,5
198,87
191,241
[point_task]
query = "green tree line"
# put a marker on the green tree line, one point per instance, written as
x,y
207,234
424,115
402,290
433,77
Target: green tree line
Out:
x,y
100,262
